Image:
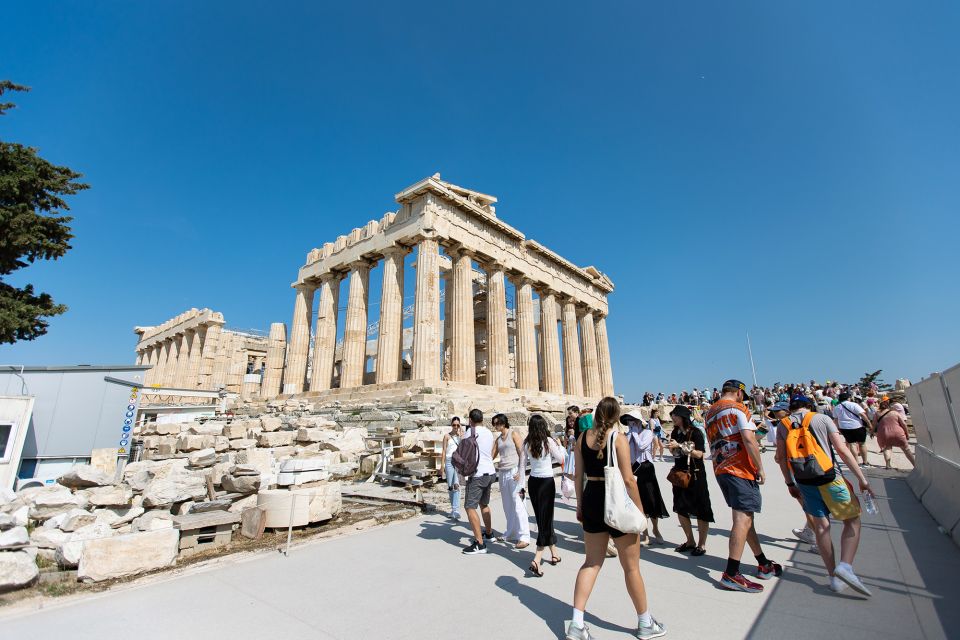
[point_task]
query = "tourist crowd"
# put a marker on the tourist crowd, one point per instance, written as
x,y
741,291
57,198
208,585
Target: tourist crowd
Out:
x,y
814,428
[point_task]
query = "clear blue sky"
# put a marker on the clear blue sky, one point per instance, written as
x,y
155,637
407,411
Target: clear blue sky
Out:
x,y
791,170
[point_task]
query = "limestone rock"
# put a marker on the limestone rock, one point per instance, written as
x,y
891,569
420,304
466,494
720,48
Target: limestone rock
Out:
x,y
309,434
48,538
68,553
276,438
113,496
49,501
325,501
221,443
343,469
203,458
243,503
176,487
128,555
235,430
17,570
171,428
209,429
82,476
188,442
242,443
271,423
75,519
241,484
117,518
15,537
221,504
6,496
153,521
7,521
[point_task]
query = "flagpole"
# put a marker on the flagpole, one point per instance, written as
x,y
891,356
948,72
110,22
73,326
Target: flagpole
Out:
x,y
752,366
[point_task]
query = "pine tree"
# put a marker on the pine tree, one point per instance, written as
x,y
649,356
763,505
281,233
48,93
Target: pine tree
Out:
x,y
32,227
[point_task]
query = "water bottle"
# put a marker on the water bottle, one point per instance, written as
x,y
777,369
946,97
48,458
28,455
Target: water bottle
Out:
x,y
869,504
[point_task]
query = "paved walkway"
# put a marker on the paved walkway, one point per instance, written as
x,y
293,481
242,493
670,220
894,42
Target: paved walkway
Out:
x,y
409,580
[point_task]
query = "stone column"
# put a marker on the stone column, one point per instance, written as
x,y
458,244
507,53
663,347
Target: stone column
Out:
x,y
603,354
295,374
355,327
237,367
276,348
193,367
572,372
221,361
426,313
550,343
591,366
211,345
325,340
183,361
390,338
463,342
164,364
526,352
139,360
498,356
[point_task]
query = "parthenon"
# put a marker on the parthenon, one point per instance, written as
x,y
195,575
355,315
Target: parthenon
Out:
x,y
464,334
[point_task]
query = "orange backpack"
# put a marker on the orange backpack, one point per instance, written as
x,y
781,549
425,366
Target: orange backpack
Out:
x,y
808,458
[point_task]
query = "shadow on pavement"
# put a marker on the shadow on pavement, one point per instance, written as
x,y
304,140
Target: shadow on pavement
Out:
x,y
552,611
910,567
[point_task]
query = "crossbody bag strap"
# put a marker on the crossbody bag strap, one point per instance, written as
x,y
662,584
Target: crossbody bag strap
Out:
x,y
611,450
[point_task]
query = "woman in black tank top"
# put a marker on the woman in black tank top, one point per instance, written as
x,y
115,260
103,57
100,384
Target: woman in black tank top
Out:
x,y
591,458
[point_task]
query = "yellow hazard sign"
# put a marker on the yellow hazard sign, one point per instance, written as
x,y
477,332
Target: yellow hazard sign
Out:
x,y
122,450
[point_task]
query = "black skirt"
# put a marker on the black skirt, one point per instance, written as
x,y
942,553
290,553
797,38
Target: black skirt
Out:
x,y
694,501
543,492
650,497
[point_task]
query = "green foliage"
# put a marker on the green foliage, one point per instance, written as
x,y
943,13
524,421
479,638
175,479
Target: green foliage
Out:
x,y
32,227
874,377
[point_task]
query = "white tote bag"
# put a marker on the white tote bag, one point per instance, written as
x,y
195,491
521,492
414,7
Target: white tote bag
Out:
x,y
619,511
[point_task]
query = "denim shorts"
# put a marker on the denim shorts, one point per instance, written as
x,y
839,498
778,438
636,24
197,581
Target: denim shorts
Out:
x,y
741,494
834,498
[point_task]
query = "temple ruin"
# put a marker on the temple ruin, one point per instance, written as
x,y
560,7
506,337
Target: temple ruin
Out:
x,y
459,334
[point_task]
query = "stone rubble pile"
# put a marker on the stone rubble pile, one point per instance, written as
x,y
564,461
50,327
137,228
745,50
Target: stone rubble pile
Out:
x,y
199,477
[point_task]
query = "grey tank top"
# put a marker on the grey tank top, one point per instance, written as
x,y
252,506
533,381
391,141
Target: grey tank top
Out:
x,y
509,457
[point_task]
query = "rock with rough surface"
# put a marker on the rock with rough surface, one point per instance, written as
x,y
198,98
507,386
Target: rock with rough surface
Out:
x,y
128,555
177,487
114,496
17,570
117,518
203,458
188,442
153,521
48,538
76,518
83,476
14,538
240,484
53,500
276,438
68,553
271,423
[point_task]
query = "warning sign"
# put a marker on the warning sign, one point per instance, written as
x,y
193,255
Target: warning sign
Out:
x,y
122,450
129,417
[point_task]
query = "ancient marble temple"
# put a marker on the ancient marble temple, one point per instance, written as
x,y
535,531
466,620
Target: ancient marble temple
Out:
x,y
489,312
454,236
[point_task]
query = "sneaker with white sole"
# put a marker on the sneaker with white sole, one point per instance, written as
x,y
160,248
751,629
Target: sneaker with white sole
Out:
x,y
837,585
578,633
653,630
845,572
475,548
804,534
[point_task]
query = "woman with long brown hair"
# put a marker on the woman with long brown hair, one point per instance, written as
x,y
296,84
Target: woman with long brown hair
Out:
x,y
540,451
891,430
592,456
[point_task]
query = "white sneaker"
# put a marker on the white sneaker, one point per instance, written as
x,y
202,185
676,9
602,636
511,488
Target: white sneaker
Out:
x,y
845,572
654,630
804,534
578,633
837,585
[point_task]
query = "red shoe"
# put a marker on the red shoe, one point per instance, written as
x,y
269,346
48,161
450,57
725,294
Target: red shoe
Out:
x,y
739,583
769,571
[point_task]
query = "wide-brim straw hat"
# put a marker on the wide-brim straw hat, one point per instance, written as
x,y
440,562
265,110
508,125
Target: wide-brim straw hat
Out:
x,y
635,414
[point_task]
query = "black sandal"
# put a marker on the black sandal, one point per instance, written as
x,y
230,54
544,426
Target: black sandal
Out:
x,y
686,546
554,560
535,569
699,551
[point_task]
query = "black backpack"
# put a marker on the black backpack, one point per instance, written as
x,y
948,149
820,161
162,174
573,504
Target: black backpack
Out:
x,y
467,456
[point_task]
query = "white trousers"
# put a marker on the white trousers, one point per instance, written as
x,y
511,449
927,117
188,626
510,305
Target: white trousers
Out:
x,y
518,521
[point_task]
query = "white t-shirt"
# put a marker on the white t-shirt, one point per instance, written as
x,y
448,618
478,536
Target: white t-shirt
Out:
x,y
485,445
847,415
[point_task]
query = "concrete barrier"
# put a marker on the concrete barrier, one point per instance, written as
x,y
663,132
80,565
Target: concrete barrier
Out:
x,y
936,478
